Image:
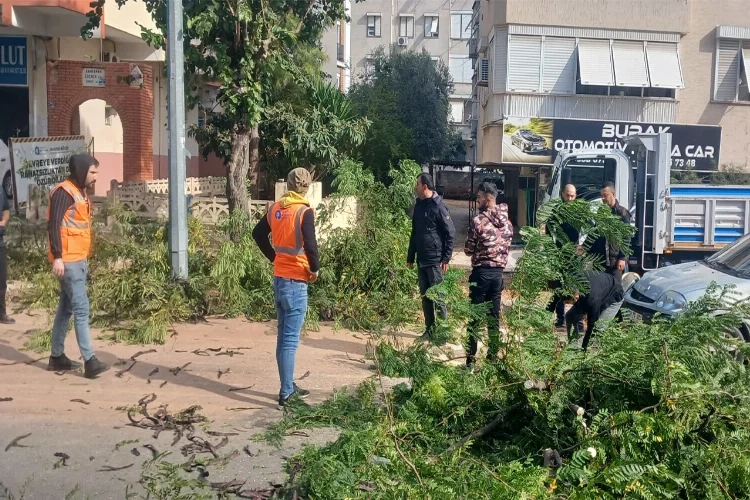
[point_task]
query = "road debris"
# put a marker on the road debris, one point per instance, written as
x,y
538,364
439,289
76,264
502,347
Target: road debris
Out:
x,y
64,457
82,401
126,370
3,400
109,468
232,389
14,443
178,369
141,353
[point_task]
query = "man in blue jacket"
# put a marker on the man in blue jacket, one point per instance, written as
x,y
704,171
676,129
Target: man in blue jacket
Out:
x,y
432,236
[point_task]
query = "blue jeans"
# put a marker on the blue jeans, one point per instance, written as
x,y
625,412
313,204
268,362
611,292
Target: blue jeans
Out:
x,y
291,309
74,301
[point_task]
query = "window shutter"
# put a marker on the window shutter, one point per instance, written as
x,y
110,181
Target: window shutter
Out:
x,y
595,60
500,61
484,69
727,70
630,64
525,61
377,26
664,65
466,26
559,65
456,26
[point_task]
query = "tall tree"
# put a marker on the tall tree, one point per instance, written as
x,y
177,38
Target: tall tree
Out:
x,y
241,45
405,96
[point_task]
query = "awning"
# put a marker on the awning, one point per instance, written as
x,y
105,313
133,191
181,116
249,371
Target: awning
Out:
x,y
664,65
595,61
630,64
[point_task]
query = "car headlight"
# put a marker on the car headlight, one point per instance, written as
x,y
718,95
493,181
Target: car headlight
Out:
x,y
672,301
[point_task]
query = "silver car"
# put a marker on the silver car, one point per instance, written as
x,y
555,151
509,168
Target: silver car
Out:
x,y
669,290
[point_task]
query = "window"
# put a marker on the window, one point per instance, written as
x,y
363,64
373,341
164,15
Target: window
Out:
x,y
457,112
373,25
732,58
461,25
431,25
406,26
566,65
460,69
109,115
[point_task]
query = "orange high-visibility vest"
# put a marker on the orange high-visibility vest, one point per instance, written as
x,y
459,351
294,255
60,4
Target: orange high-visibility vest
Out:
x,y
286,238
76,225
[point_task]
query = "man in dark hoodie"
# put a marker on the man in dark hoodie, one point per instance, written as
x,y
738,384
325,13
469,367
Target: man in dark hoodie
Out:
x,y
69,227
601,302
432,235
5,207
488,242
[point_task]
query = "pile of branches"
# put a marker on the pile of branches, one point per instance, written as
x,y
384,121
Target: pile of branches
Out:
x,y
364,282
650,411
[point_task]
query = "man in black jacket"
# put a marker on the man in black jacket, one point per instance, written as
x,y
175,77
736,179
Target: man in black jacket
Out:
x,y
432,235
557,305
615,260
601,302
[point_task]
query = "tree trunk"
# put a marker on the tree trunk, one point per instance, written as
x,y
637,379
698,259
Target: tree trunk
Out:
x,y
237,175
255,162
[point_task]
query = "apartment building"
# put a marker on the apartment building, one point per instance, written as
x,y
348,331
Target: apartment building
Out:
x,y
572,74
336,44
442,28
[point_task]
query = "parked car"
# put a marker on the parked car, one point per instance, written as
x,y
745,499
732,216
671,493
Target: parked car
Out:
x,y
528,141
5,169
670,289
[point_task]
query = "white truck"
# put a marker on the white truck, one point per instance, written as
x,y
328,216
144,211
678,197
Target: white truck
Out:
x,y
674,222
7,181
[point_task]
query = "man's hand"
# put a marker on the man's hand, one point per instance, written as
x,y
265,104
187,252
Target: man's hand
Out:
x,y
314,277
621,265
444,266
579,249
58,268
410,265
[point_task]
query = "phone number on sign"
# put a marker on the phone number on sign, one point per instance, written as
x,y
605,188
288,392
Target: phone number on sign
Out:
x,y
681,162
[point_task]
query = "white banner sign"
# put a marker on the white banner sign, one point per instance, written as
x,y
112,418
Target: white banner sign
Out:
x,y
93,77
42,161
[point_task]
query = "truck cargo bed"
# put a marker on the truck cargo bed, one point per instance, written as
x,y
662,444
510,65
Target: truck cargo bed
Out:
x,y
706,217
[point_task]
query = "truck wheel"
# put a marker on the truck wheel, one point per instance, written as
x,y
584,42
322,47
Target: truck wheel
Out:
x,y
8,186
741,334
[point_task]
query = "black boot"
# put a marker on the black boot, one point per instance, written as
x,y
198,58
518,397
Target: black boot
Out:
x,y
7,320
94,367
62,363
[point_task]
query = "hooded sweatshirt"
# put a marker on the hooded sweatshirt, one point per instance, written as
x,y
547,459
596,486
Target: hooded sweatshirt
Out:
x,y
489,238
61,201
262,231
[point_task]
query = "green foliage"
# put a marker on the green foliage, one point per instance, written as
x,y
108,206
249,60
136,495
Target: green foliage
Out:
x,y
364,282
650,411
405,97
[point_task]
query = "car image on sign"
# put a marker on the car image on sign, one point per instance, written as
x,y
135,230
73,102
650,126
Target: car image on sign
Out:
x,y
527,140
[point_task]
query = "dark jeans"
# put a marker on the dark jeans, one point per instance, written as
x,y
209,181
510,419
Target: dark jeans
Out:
x,y
558,307
430,276
487,287
3,279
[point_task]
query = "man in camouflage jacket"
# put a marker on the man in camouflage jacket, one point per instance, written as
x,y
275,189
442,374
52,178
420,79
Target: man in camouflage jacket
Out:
x,y
490,235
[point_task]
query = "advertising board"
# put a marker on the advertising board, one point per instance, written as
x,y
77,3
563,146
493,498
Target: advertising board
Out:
x,y
538,140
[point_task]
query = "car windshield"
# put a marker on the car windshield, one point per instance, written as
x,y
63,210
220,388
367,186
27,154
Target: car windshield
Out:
x,y
588,175
735,257
528,134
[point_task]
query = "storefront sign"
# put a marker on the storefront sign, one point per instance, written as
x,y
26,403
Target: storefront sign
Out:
x,y
41,161
13,61
538,140
93,77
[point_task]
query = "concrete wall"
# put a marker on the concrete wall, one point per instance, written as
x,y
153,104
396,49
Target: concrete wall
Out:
x,y
698,54
646,15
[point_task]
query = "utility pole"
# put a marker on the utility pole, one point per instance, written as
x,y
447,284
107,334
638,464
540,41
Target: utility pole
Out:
x,y
178,236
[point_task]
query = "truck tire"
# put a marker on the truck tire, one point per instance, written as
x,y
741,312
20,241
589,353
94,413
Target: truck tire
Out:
x,y
8,186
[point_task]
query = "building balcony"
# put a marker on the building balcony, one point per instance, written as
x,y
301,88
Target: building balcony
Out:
x,y
464,129
585,107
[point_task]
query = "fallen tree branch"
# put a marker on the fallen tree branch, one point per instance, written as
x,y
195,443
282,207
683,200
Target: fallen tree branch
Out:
x,y
14,443
479,433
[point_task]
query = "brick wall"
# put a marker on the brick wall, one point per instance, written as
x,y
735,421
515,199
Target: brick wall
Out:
x,y
135,105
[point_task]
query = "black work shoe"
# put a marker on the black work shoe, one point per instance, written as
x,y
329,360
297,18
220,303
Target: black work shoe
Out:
x,y
425,337
94,367
298,393
7,320
62,363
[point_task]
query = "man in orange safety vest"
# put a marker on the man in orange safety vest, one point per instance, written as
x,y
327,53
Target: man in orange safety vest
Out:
x,y
293,249
69,227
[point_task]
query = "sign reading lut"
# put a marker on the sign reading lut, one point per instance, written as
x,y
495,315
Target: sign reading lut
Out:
x,y
41,161
13,61
93,77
